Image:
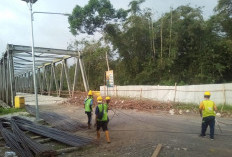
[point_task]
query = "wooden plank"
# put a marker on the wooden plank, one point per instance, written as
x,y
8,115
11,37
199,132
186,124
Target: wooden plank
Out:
x,y
157,150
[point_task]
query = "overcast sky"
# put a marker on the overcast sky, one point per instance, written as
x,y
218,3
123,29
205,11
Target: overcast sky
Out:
x,y
52,30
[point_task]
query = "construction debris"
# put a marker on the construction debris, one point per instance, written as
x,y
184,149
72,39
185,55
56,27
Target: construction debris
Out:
x,y
58,121
124,103
12,131
172,112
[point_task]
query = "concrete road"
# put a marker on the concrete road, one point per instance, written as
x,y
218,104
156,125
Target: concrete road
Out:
x,y
136,134
42,99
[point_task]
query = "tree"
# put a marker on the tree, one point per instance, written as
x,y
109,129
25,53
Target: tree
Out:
x,y
94,16
179,47
224,10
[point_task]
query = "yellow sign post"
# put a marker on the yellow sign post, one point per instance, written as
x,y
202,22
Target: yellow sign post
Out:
x,y
110,78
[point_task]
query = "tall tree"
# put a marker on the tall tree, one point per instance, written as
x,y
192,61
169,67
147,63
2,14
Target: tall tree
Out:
x,y
94,16
224,9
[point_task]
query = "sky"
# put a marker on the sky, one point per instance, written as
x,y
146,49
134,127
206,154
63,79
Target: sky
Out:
x,y
52,31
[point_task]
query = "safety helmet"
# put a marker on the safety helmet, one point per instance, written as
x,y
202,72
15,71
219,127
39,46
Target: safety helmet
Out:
x,y
99,99
107,98
207,93
90,93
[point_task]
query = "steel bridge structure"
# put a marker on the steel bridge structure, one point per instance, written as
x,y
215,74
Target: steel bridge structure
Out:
x,y
16,71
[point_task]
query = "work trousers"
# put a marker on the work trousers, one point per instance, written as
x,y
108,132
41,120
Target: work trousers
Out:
x,y
205,122
89,114
103,125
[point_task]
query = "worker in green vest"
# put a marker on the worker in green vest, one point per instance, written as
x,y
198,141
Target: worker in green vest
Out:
x,y
107,100
102,118
207,110
88,107
108,103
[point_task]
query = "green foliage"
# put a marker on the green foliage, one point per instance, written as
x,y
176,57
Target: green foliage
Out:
x,y
179,47
93,16
224,9
224,108
186,106
4,111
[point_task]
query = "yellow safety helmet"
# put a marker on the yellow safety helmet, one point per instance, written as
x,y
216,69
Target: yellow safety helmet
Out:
x,y
207,93
90,93
107,98
99,99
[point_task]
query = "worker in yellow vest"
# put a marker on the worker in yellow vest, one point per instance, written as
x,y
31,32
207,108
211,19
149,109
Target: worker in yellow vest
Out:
x,y
207,110
108,107
88,107
107,100
102,118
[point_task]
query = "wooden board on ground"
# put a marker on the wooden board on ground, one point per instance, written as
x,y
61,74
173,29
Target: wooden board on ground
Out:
x,y
157,150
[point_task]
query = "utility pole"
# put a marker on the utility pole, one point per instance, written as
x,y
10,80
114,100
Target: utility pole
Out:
x,y
31,2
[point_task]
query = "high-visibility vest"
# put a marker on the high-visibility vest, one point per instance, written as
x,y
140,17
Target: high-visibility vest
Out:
x,y
208,108
105,114
87,105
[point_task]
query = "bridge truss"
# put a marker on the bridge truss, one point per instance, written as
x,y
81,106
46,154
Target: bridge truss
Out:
x,y
16,71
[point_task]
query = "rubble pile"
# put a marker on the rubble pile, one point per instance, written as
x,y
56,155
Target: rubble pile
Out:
x,y
123,103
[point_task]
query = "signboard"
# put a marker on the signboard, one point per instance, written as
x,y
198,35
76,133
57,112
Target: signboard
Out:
x,y
110,78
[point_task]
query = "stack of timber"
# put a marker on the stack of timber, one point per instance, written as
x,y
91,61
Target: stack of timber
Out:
x,y
58,121
12,131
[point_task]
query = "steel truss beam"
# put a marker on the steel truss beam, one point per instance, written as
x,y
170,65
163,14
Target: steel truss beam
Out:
x,y
16,71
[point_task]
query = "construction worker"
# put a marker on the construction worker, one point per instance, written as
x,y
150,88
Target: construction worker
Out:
x,y
207,110
108,103
107,100
102,118
88,107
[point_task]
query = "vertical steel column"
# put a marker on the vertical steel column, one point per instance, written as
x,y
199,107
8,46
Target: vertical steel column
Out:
x,y
1,78
39,80
54,75
67,76
8,95
83,73
61,78
33,61
75,76
50,83
11,75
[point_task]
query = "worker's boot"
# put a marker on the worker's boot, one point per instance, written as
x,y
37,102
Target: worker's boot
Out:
x,y
98,135
107,136
89,126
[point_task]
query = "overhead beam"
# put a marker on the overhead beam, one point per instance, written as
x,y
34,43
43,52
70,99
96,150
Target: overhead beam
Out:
x,y
47,56
20,49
